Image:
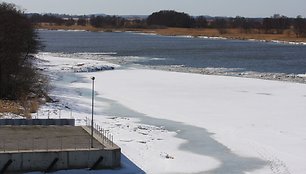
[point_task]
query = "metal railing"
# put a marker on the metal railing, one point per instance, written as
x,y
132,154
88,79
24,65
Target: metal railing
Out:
x,y
104,134
52,113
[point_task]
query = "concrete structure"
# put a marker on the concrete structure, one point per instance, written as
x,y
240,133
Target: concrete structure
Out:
x,y
49,148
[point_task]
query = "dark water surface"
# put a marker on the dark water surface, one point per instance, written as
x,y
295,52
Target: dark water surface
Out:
x,y
190,52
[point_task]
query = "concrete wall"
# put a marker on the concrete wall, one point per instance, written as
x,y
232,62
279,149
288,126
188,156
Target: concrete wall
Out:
x,y
26,161
58,122
40,161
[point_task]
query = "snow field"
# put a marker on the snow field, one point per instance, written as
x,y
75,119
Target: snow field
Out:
x,y
253,118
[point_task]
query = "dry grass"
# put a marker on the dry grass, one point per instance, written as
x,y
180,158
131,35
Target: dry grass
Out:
x,y
63,27
230,33
34,106
22,108
7,106
185,31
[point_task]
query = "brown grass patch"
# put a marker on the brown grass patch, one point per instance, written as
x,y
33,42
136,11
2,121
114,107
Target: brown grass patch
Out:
x,y
22,108
7,106
63,27
230,33
288,35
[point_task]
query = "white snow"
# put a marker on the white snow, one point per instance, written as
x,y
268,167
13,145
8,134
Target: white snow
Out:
x,y
75,65
302,75
254,119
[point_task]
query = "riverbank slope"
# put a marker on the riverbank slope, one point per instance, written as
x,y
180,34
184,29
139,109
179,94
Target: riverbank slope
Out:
x,y
287,36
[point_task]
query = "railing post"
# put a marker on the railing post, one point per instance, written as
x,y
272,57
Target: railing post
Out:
x,y
103,131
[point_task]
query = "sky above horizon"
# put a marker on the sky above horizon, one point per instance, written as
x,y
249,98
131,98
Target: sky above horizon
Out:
x,y
232,8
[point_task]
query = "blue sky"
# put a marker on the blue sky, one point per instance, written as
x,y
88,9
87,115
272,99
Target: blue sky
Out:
x,y
247,8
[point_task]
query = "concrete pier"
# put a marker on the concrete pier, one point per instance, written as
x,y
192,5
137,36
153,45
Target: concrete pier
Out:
x,y
51,148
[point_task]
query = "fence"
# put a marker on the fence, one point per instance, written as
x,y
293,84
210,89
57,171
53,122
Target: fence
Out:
x,y
105,135
53,113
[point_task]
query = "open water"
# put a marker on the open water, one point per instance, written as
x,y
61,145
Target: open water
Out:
x,y
184,51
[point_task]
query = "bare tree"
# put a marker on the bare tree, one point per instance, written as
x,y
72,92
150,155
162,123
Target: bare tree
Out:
x,y
18,76
300,26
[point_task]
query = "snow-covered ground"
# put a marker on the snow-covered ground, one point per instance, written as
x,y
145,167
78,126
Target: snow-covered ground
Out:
x,y
170,122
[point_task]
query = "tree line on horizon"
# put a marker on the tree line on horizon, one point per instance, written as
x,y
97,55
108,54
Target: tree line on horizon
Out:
x,y
275,24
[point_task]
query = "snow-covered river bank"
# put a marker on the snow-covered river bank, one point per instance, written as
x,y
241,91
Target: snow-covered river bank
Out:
x,y
171,122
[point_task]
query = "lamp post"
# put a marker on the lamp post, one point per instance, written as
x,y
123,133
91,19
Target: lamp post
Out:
x,y
92,108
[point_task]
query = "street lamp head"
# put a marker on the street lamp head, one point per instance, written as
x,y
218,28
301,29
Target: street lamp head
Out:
x,y
92,78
